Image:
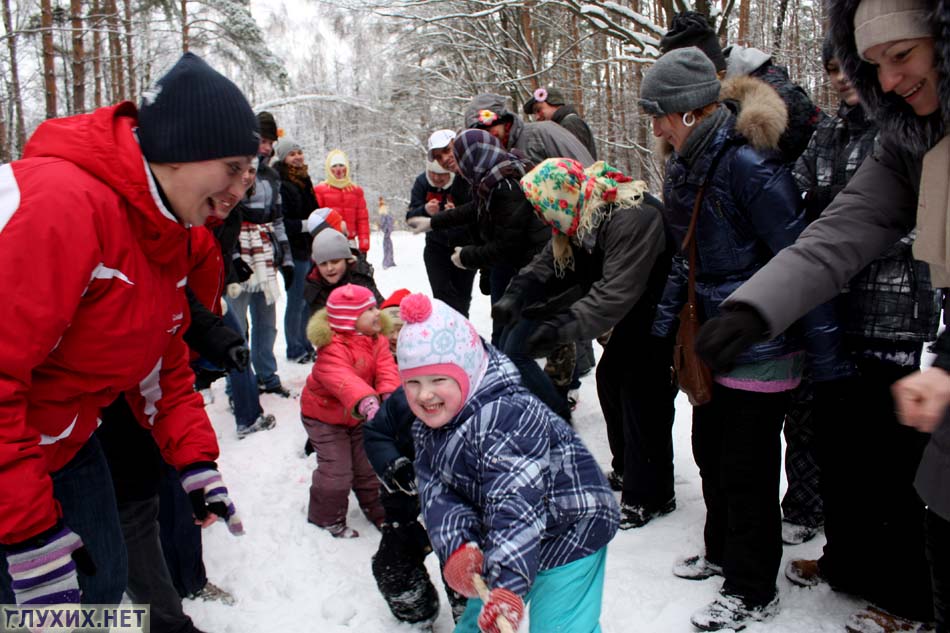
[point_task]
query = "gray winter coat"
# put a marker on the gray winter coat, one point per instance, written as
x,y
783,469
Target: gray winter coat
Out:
x,y
537,141
876,209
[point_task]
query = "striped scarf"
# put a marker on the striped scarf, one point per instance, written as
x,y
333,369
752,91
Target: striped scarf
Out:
x,y
484,163
257,250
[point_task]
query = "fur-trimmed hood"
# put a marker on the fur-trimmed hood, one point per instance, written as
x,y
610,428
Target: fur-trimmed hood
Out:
x,y
894,116
320,334
762,116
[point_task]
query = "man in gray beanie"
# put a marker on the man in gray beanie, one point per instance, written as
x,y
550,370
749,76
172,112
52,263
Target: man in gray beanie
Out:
x,y
680,81
105,203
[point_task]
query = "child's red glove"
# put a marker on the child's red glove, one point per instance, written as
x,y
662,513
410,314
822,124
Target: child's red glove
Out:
x,y
462,564
504,603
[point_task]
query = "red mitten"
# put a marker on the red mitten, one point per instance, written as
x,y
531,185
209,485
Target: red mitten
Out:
x,y
501,603
462,565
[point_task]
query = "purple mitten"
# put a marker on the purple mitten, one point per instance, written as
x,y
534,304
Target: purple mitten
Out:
x,y
43,571
368,407
207,493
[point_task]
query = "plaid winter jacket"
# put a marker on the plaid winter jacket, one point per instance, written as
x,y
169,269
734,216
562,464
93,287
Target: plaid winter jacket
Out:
x,y
891,299
510,475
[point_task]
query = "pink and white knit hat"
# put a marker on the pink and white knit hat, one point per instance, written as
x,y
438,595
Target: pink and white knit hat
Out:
x,y
438,340
345,305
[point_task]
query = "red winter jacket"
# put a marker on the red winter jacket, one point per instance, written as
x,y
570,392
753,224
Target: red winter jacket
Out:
x,y
93,269
351,204
349,368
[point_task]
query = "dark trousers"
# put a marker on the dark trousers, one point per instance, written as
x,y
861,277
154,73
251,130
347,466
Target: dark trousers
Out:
x,y
737,446
802,502
149,580
449,283
342,465
181,538
636,398
499,276
873,517
513,343
938,553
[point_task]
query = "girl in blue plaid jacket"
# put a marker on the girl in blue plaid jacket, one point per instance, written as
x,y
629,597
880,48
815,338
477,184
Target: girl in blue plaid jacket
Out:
x,y
508,490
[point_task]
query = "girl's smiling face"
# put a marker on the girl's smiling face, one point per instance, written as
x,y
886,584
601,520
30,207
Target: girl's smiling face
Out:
x,y
368,322
433,398
907,68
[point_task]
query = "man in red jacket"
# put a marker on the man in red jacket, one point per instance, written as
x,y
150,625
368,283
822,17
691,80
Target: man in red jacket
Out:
x,y
94,247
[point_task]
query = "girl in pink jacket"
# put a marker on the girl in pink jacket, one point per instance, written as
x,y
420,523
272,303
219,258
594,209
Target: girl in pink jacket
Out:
x,y
354,370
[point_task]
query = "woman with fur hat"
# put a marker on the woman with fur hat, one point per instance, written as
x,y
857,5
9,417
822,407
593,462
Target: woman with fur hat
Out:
x,y
353,372
726,169
435,191
339,193
897,55
610,248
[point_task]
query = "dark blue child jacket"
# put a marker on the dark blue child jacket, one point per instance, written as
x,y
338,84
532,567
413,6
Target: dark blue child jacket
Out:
x,y
510,475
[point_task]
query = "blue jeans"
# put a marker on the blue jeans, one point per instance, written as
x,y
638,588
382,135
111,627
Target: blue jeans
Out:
x,y
84,490
242,385
513,343
181,538
566,599
263,333
297,313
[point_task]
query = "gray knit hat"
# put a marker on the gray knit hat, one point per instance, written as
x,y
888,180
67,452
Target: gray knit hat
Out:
x,y
329,244
680,81
879,21
285,145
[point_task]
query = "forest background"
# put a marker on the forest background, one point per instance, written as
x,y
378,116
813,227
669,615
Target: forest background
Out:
x,y
375,77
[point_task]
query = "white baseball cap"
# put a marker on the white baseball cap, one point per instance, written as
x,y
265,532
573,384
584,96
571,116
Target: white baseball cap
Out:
x,y
438,140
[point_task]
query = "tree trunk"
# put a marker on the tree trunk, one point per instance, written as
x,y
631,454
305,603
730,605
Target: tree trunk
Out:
x,y
578,79
130,54
96,52
49,58
779,24
116,70
79,57
19,129
184,26
743,38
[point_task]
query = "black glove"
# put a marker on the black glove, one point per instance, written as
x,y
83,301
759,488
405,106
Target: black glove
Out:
x,y
507,310
723,338
818,199
400,476
242,270
544,339
288,274
239,356
484,281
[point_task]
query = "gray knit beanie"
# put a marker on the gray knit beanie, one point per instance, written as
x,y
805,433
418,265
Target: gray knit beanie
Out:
x,y
328,245
284,146
879,21
680,81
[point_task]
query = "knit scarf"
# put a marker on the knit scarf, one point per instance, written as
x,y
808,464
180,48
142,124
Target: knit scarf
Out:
x,y
703,134
300,176
257,250
484,163
933,214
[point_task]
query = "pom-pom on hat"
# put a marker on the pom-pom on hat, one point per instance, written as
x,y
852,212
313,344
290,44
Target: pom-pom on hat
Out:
x,y
345,305
438,340
194,113
690,28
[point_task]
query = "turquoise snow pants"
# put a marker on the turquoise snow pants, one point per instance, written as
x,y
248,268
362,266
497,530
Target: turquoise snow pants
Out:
x,y
565,599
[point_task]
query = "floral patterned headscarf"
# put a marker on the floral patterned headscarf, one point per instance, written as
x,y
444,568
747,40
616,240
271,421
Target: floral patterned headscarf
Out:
x,y
574,201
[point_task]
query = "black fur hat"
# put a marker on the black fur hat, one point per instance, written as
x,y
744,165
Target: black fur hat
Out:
x,y
690,28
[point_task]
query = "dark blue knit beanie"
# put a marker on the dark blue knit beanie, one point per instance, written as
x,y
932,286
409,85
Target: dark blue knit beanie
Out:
x,y
194,113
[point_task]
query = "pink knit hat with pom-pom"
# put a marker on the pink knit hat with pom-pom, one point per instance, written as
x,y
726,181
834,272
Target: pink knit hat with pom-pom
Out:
x,y
438,340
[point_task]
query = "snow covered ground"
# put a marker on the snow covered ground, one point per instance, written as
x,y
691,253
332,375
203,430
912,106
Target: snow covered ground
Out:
x,y
288,575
